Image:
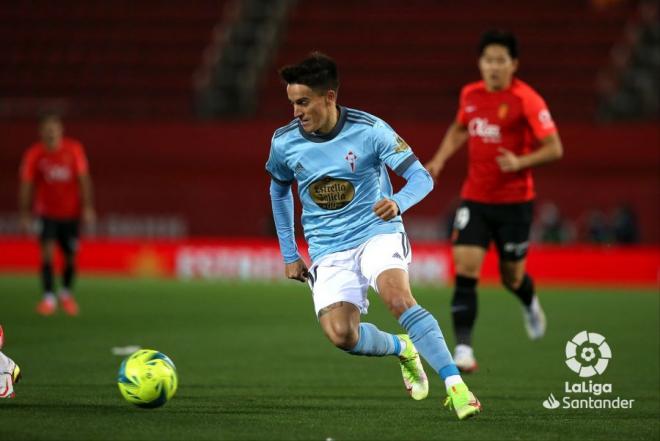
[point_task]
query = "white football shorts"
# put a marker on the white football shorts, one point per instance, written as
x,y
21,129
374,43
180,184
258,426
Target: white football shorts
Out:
x,y
347,275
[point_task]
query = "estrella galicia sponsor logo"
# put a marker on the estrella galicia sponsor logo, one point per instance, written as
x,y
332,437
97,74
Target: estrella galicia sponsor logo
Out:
x,y
332,193
588,355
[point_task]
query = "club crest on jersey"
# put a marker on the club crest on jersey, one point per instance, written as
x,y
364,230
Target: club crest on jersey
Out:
x,y
352,160
401,145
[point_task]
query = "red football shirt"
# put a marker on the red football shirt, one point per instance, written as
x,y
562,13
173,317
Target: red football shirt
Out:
x,y
55,177
514,119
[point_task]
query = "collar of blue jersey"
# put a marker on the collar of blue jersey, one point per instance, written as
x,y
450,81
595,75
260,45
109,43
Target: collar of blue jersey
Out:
x,y
323,137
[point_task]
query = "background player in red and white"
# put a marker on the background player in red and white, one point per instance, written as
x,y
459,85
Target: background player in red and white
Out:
x,y
509,130
55,181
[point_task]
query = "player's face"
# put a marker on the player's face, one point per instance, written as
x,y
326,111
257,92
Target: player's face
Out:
x,y
51,132
497,67
315,111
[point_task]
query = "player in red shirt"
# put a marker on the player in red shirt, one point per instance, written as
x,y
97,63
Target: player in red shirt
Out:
x,y
55,176
509,130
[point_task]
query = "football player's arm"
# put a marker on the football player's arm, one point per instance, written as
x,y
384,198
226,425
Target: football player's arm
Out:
x,y
85,184
87,198
418,184
26,190
540,121
24,200
455,138
281,199
550,149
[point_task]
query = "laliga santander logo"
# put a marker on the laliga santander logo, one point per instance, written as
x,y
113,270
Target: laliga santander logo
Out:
x,y
588,354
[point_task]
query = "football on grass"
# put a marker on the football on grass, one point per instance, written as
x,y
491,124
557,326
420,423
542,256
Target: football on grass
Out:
x,y
147,378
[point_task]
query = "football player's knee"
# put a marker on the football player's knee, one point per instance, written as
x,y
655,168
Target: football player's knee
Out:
x,y
511,281
47,254
342,335
467,269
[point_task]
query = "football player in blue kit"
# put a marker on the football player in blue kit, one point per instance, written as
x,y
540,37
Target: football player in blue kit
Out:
x,y
352,222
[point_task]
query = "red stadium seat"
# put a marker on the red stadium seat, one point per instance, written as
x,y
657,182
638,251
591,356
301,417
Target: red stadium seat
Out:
x,y
394,56
138,55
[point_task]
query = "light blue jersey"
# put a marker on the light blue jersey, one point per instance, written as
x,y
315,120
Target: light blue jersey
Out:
x,y
341,175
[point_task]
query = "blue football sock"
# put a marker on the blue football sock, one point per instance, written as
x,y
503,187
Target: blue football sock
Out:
x,y
425,333
376,343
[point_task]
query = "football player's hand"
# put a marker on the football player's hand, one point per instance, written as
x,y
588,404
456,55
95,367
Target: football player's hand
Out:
x,y
89,216
386,209
434,168
507,161
296,270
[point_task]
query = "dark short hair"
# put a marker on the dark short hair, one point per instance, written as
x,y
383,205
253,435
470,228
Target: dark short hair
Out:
x,y
317,71
500,37
48,115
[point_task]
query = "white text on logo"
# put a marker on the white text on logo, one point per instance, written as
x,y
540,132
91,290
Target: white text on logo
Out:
x,y
482,128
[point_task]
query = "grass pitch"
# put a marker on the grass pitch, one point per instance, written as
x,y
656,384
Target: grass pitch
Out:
x,y
253,365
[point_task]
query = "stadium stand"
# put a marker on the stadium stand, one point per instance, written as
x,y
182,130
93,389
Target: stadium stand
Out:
x,y
122,58
630,84
226,84
121,61
409,60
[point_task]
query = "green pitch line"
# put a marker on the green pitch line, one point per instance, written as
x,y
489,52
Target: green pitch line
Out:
x,y
254,365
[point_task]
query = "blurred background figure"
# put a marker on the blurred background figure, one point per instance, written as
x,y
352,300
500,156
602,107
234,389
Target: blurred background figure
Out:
x,y
597,228
619,227
630,85
509,131
624,225
57,188
550,227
